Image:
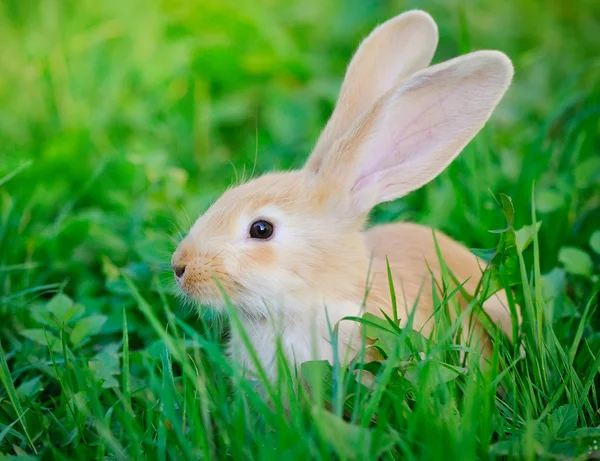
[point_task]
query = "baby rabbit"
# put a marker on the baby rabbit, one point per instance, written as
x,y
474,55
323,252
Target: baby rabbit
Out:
x,y
289,249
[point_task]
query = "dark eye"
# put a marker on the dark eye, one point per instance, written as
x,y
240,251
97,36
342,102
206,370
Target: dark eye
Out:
x,y
261,230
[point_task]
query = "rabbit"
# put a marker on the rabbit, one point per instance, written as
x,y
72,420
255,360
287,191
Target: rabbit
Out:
x,y
289,250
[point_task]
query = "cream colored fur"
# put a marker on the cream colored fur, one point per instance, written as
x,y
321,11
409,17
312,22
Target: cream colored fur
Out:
x,y
396,126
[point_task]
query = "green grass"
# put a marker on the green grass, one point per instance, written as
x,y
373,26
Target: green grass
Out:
x,y
122,120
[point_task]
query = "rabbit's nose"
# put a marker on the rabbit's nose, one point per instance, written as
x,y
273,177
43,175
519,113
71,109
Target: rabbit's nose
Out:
x,y
179,270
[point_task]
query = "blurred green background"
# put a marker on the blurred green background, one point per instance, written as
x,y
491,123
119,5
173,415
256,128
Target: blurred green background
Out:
x,y
121,120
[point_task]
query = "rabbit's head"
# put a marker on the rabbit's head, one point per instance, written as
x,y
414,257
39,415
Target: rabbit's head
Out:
x,y
294,239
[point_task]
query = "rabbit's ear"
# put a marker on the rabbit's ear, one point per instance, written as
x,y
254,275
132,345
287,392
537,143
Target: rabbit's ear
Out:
x,y
415,130
389,55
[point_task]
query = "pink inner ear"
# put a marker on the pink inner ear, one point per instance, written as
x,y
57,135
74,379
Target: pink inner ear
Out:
x,y
420,132
396,144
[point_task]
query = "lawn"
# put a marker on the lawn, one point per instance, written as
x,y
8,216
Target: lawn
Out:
x,y
121,121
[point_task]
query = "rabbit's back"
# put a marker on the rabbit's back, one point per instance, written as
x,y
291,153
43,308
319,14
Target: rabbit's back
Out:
x,y
411,251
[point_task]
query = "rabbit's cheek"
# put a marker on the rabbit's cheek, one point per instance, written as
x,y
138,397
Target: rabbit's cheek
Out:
x,y
261,256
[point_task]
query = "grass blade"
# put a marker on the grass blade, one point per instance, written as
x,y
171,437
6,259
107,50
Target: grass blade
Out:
x,y
6,379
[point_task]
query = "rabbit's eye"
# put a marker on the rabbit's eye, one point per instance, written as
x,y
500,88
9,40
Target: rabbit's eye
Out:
x,y
261,229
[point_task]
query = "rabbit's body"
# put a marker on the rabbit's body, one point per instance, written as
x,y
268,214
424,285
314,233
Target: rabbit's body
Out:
x,y
304,334
411,251
289,249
